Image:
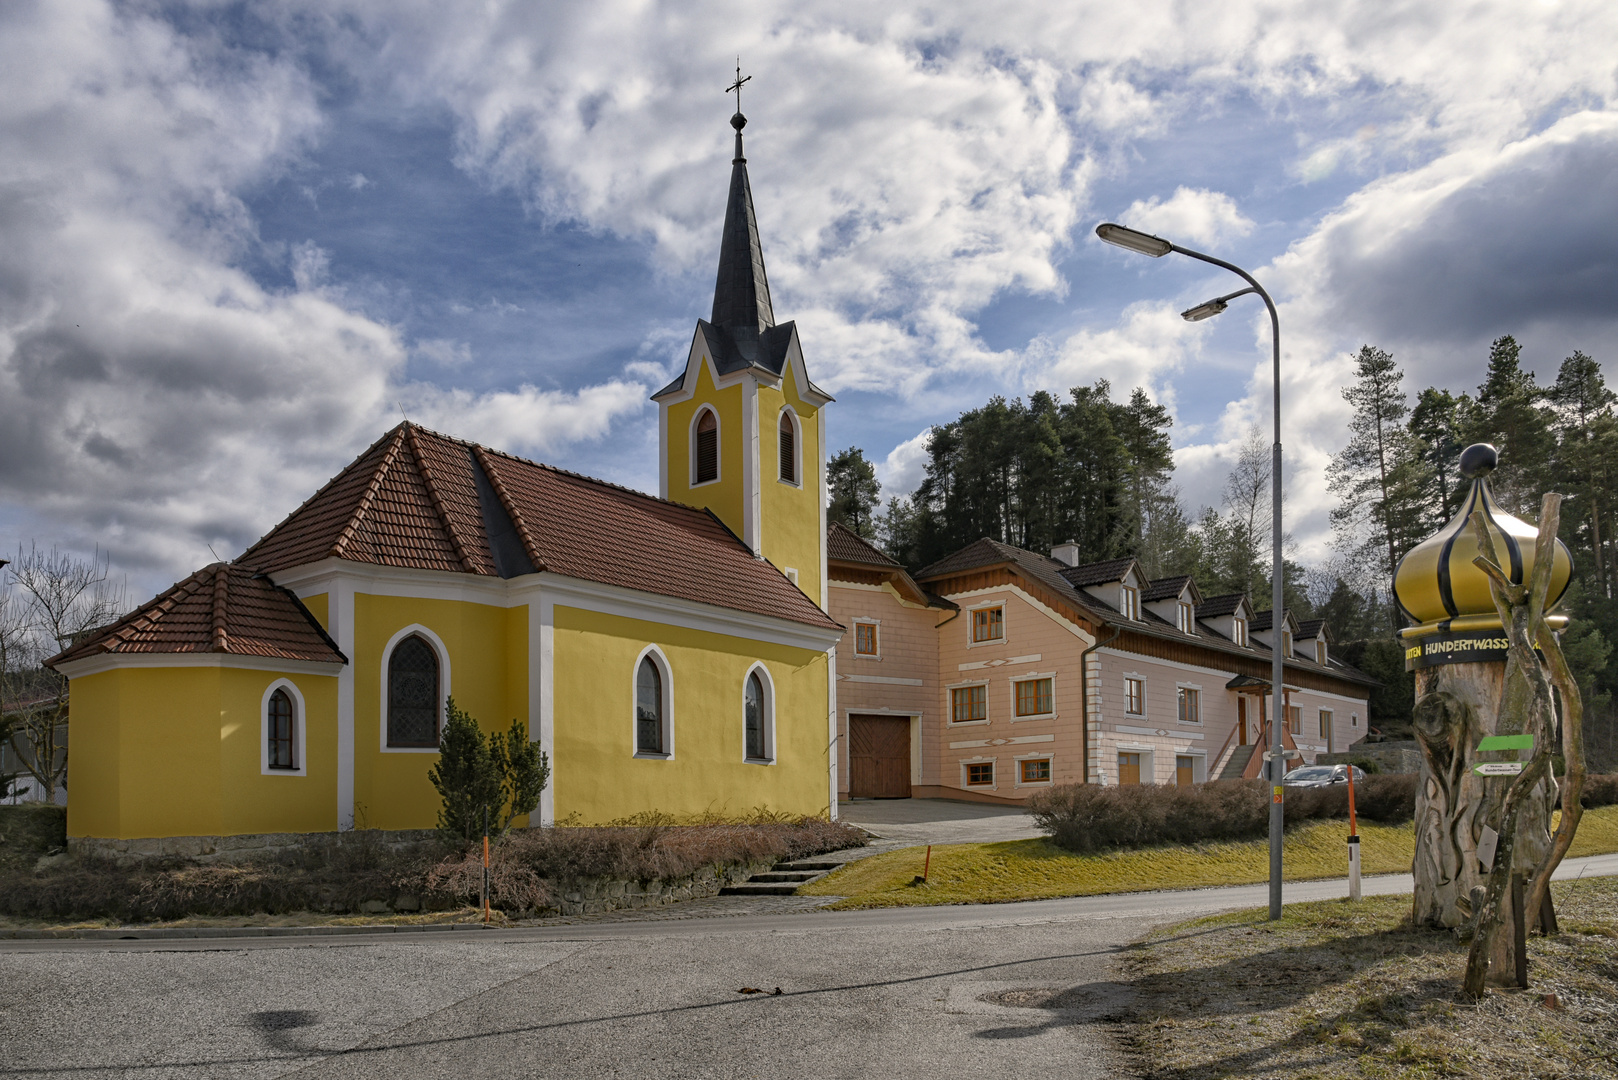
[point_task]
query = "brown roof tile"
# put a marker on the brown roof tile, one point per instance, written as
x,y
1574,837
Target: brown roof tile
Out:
x,y
219,609
845,544
412,500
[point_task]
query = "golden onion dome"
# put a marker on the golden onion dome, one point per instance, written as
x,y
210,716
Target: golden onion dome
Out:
x,y
1439,586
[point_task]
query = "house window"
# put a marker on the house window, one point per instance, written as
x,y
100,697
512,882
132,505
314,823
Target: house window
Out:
x,y
1190,705
651,712
705,463
865,643
414,695
1187,618
1036,771
968,703
282,729
989,624
1135,696
1238,632
1295,719
753,718
980,774
1286,643
1034,697
788,442
1325,723
1320,651
1185,769
1131,607
1128,768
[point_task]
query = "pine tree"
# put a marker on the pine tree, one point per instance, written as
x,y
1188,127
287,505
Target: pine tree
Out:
x,y
1586,457
1379,474
1435,421
855,492
1510,414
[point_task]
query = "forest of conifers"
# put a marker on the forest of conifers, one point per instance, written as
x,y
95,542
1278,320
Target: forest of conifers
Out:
x,y
1086,468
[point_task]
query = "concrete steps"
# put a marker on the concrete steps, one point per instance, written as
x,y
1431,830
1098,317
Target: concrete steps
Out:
x,y
782,879
1236,764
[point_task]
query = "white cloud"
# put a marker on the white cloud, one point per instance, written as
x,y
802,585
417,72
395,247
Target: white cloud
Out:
x,y
905,466
443,352
1195,215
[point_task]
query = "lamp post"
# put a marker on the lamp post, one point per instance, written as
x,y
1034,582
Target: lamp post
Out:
x,y
1157,247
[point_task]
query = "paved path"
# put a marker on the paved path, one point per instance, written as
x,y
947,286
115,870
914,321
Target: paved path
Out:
x,y
938,821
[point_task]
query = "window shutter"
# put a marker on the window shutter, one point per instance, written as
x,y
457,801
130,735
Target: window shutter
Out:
x,y
789,457
707,449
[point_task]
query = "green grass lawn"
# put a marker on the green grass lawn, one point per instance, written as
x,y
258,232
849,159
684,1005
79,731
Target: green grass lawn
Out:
x,y
1037,870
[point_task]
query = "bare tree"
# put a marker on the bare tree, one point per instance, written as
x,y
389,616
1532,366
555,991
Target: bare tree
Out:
x,y
47,601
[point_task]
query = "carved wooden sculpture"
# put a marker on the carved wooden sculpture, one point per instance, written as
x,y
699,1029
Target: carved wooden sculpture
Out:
x,y
1477,675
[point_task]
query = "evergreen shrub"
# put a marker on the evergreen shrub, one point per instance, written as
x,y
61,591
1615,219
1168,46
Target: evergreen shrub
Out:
x,y
1087,818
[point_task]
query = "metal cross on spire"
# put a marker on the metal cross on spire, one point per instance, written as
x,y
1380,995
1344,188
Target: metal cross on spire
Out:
x,y
736,86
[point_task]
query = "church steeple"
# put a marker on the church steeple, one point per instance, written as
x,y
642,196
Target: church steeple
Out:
x,y
741,295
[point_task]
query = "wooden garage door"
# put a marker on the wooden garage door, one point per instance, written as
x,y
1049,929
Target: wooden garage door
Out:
x,y
879,757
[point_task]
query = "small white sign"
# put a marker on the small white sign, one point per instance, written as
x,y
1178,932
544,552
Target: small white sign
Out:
x,y
1499,768
1486,845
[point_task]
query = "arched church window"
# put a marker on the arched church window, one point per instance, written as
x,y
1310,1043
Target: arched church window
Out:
x,y
707,449
414,697
753,710
649,708
789,449
281,732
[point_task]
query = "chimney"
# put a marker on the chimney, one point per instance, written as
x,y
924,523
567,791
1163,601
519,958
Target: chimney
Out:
x,y
1066,553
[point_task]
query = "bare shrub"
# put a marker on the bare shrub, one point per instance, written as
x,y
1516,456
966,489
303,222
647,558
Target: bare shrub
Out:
x,y
1599,791
1088,817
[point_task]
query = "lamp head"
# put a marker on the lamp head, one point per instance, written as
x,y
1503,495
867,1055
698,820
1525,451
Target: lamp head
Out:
x,y
1204,311
1134,240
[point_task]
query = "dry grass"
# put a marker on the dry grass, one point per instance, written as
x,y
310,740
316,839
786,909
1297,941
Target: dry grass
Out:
x,y
1037,869
1336,989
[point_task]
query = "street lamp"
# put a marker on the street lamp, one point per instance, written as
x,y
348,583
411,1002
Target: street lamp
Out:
x,y
1155,246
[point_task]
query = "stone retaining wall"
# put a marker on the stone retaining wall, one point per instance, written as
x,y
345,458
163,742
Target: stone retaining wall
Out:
x,y
250,847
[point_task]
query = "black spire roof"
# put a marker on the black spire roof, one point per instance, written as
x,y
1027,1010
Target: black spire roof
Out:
x,y
741,295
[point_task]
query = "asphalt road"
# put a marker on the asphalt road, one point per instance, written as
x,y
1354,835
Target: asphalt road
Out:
x,y
981,991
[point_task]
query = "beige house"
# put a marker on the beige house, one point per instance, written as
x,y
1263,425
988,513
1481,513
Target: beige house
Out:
x,y
996,672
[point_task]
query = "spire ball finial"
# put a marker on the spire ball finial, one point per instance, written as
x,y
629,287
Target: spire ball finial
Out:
x,y
1479,460
738,122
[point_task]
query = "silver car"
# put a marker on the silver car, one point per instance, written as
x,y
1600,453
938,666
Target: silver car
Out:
x,y
1321,775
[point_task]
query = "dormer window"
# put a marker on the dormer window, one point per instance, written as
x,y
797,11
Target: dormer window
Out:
x,y
705,453
1286,642
1186,618
1131,604
1320,651
1238,631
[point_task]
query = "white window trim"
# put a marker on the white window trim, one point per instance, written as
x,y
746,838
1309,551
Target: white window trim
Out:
x,y
1031,677
1331,720
1130,612
797,447
1239,633
1199,765
995,786
1016,770
299,744
1005,632
665,669
769,714
1148,761
1198,690
855,652
437,644
949,703
719,447
1143,704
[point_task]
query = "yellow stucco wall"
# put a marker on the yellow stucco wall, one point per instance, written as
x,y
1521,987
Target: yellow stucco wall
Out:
x,y
487,647
724,496
175,752
598,778
318,607
791,533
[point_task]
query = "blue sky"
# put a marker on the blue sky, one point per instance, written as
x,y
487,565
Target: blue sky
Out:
x,y
239,240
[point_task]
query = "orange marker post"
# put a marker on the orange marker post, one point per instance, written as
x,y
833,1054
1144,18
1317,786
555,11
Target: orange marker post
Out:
x,y
1353,842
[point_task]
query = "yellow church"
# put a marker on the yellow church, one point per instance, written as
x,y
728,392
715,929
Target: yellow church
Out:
x,y
669,654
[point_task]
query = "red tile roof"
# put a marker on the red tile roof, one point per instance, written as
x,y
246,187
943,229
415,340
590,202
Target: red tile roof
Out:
x,y
219,609
412,500
846,545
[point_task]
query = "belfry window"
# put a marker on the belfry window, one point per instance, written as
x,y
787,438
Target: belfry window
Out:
x,y
414,696
706,456
788,441
282,731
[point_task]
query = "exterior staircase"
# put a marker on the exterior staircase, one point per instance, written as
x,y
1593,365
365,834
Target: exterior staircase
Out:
x,y
782,879
1236,765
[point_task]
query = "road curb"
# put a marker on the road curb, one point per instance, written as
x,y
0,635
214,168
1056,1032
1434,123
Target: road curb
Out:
x,y
193,933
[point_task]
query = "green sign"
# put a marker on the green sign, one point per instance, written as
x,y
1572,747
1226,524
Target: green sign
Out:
x,y
1499,768
1507,742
